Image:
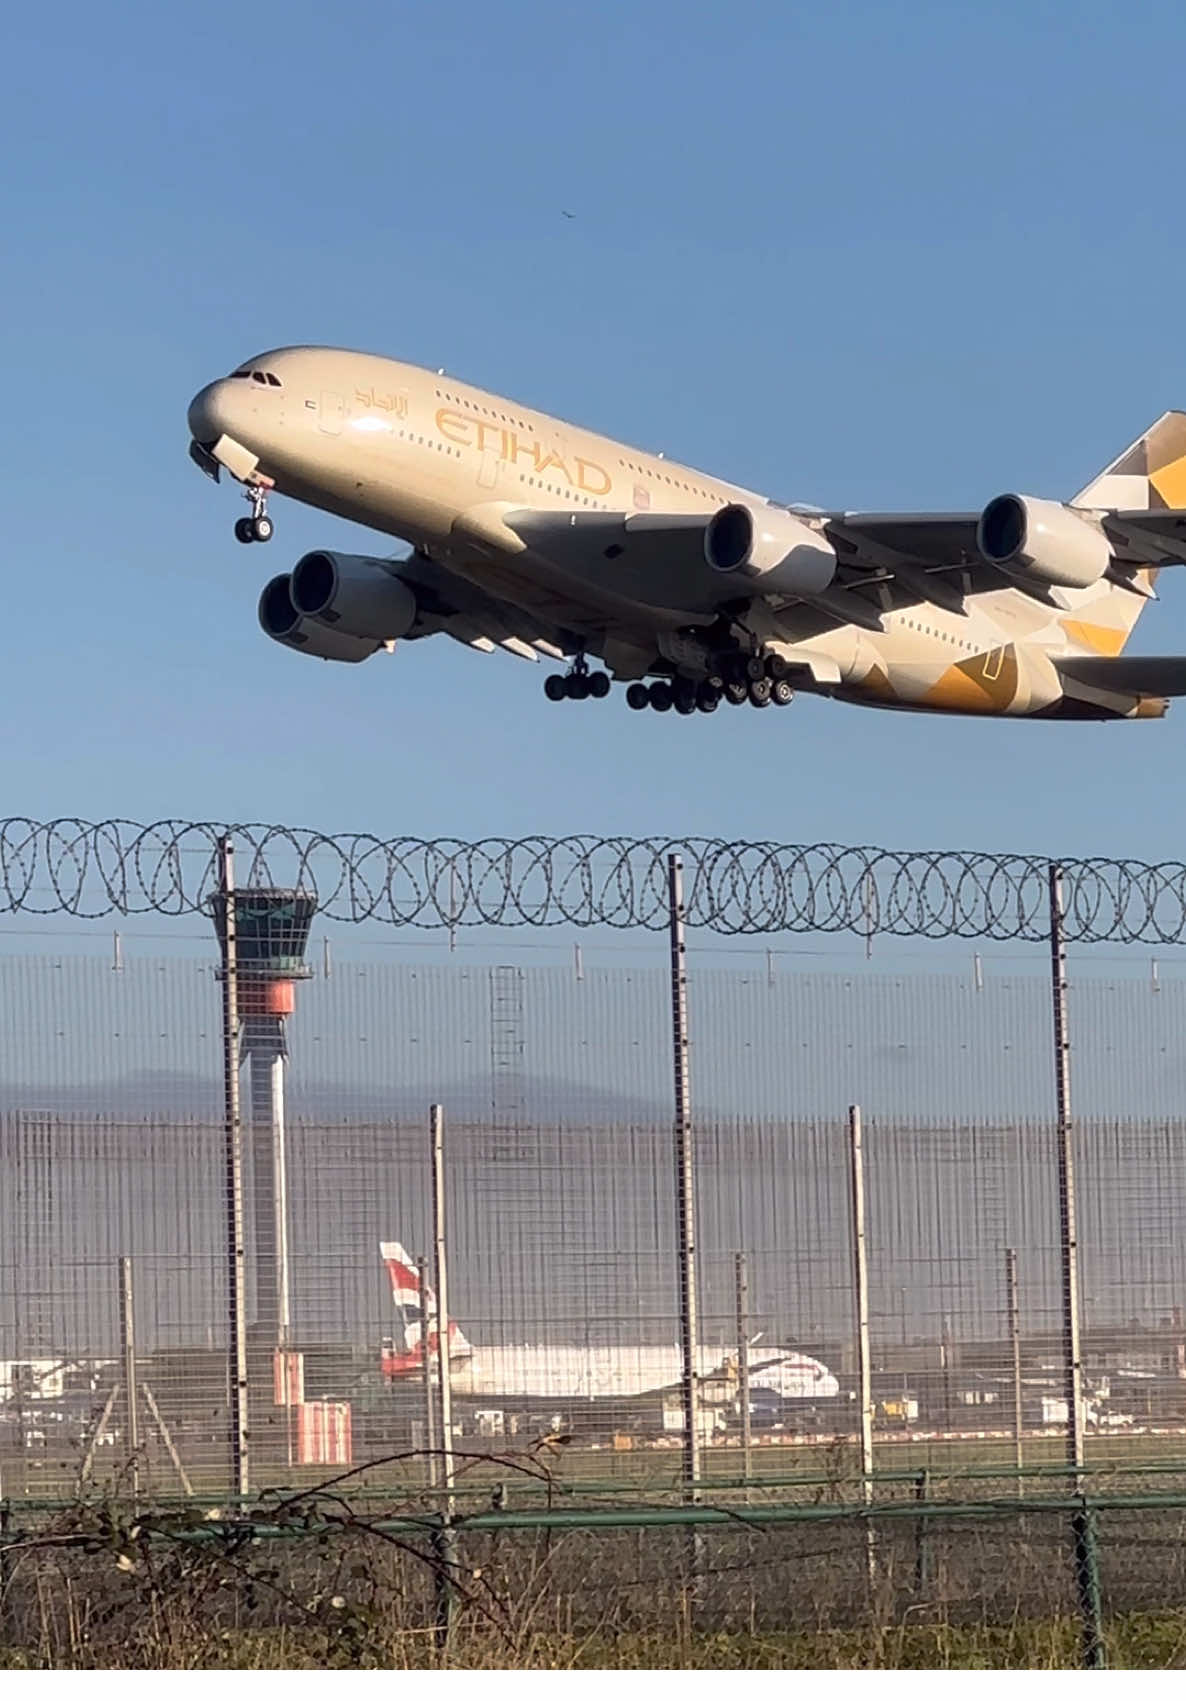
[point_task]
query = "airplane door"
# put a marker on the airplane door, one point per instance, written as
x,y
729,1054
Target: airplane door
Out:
x,y
488,469
332,414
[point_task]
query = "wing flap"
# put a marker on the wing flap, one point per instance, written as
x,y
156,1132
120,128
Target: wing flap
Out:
x,y
1155,537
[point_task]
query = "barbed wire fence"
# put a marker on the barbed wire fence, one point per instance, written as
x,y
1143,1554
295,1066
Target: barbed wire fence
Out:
x,y
95,869
178,869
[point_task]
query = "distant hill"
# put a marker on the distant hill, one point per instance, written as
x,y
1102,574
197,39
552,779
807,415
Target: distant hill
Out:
x,y
154,1095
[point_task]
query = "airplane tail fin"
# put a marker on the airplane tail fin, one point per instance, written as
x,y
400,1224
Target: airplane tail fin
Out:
x,y
1149,475
417,1315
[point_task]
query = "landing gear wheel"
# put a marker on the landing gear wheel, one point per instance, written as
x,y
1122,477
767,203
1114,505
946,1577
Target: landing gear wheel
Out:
x,y
755,668
245,530
708,699
599,685
576,687
781,693
261,529
736,692
660,696
637,696
759,693
777,667
555,688
683,696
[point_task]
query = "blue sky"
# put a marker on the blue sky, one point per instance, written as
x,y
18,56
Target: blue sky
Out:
x,y
873,255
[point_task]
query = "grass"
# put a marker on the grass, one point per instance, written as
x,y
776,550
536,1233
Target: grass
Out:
x,y
651,1473
1135,1642
99,1584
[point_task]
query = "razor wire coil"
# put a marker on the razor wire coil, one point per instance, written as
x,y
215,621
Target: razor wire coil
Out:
x,y
94,869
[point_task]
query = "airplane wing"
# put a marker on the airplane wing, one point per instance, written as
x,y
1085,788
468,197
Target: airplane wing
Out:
x,y
886,561
619,561
552,578
936,556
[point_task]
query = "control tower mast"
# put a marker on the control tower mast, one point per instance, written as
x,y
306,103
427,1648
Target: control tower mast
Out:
x,y
272,931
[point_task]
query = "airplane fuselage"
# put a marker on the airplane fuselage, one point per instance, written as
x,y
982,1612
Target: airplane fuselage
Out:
x,y
556,1372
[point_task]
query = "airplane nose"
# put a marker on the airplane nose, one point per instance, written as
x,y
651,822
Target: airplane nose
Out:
x,y
208,413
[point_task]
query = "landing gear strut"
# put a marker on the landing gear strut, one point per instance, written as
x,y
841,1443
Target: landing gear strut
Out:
x,y
577,684
258,528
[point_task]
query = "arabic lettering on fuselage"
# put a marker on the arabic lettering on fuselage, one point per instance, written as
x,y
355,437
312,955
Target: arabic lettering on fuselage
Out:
x,y
391,401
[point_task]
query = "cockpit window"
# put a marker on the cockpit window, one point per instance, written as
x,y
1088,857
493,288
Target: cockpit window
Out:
x,y
258,377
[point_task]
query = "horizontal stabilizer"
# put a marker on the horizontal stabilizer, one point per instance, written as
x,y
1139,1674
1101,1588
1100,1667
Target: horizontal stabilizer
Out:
x,y
1136,676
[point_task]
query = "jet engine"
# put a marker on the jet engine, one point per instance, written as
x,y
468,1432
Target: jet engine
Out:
x,y
775,549
1044,542
281,620
354,593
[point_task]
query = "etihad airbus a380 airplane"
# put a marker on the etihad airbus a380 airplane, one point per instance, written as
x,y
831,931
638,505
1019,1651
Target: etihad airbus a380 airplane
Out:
x,y
548,540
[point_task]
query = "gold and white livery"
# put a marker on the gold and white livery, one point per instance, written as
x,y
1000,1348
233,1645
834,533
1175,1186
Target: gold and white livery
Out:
x,y
535,536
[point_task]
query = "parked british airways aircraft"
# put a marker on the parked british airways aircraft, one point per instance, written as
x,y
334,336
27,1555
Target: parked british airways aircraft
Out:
x,y
545,539
602,1374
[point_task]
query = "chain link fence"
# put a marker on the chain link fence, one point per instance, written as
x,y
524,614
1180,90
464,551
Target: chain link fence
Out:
x,y
563,1239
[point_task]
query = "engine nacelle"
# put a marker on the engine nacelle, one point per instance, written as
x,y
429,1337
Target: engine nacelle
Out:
x,y
1046,542
775,549
281,620
355,593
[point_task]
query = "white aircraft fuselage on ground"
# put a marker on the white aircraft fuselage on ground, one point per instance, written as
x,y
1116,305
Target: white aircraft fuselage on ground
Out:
x,y
549,1371
544,539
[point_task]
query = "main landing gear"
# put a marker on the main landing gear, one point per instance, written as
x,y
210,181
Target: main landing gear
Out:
x,y
258,528
759,680
577,684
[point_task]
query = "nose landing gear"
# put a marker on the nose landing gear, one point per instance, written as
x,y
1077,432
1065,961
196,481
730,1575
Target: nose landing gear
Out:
x,y
258,528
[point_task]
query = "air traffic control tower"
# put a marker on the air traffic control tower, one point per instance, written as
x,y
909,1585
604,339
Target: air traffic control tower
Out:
x,y
272,931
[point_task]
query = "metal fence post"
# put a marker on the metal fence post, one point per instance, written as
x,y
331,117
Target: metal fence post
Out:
x,y
1087,1584
235,1249
1086,1555
127,1336
1072,1357
861,1299
1015,1339
447,1535
685,1176
922,1539
741,1280
5,1563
